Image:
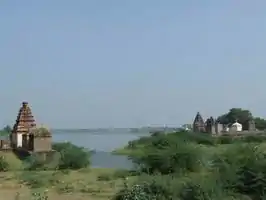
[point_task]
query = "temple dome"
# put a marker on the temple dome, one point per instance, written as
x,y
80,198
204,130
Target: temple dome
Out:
x,y
237,126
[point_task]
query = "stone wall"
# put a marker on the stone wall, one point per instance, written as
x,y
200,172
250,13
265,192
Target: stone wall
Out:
x,y
42,144
5,144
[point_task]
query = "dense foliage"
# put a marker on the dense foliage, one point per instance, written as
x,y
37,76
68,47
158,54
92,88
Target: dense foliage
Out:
x,y
4,166
72,156
188,166
66,156
5,131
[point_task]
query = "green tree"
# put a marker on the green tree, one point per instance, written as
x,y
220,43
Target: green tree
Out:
x,y
260,123
72,156
7,129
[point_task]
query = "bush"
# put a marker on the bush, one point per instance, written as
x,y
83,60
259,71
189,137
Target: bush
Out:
x,y
166,159
149,188
196,187
104,177
4,166
37,161
227,168
242,169
72,156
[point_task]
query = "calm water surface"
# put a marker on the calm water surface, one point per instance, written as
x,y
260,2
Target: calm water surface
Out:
x,y
103,143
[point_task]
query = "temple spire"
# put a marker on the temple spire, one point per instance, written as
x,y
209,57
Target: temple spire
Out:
x,y
198,124
25,120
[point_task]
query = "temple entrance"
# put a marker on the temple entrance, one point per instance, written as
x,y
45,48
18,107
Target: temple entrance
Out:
x,y
31,142
24,141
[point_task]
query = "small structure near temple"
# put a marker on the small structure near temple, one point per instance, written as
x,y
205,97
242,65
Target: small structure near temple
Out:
x,y
236,127
27,136
251,125
37,140
4,143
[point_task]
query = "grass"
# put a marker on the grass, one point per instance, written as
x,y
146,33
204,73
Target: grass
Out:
x,y
4,133
82,184
13,161
89,184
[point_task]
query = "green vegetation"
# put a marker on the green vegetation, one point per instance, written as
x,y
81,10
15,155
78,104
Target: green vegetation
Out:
x,y
65,174
174,166
188,166
181,166
41,132
5,131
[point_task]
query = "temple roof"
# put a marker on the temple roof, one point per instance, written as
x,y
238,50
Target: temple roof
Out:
x,y
25,120
198,119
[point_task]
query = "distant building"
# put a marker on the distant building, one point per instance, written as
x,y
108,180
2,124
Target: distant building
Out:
x,y
213,126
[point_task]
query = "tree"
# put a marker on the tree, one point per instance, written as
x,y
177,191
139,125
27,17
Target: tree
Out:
x,y
72,156
260,123
7,129
239,114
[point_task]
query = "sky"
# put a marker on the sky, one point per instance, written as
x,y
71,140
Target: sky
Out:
x,y
122,63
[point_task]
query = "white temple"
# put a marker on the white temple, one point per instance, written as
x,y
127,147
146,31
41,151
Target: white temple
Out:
x,y
237,127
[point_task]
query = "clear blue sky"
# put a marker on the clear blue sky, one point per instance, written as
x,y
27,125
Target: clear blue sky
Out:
x,y
85,64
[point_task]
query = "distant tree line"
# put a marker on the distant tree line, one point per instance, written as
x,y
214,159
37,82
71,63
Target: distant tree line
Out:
x,y
5,131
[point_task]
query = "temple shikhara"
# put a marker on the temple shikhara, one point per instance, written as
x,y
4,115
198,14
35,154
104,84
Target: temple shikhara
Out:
x,y
26,135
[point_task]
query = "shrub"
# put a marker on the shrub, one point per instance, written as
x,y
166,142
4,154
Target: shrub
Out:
x,y
72,156
165,158
196,187
242,168
149,188
33,179
104,177
201,188
38,162
4,166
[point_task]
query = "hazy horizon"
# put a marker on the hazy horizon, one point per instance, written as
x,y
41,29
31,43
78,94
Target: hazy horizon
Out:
x,y
92,64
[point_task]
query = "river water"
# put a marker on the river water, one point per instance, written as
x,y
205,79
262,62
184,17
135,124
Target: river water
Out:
x,y
102,142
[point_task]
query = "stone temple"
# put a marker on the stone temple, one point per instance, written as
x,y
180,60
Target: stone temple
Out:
x,y
26,135
214,127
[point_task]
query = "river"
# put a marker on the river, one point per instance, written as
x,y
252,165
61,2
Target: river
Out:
x,y
102,142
